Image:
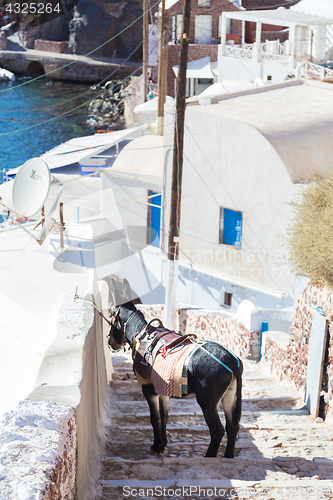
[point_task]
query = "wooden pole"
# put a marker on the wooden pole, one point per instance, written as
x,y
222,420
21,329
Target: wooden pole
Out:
x,y
161,87
62,225
177,167
145,50
177,175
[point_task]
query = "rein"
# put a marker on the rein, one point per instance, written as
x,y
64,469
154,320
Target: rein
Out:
x,y
141,334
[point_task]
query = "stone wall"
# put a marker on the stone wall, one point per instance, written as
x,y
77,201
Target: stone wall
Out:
x,y
290,361
213,326
51,442
38,452
50,46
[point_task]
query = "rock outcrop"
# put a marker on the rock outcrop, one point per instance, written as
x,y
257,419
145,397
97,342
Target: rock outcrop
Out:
x,y
91,24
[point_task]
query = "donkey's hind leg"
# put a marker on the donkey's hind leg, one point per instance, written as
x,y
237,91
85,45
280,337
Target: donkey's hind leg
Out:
x,y
158,417
232,423
164,413
216,429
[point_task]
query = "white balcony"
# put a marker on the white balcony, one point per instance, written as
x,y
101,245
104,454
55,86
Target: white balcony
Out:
x,y
309,39
271,51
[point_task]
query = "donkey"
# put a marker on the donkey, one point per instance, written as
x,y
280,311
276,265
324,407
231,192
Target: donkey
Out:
x,y
214,374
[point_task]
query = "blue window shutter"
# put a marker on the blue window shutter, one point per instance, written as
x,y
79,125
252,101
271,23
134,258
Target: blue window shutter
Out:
x,y
155,220
232,227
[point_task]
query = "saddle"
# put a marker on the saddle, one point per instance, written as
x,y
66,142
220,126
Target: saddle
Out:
x,y
155,340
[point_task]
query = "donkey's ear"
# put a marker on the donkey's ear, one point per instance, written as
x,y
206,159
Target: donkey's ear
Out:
x,y
113,293
127,291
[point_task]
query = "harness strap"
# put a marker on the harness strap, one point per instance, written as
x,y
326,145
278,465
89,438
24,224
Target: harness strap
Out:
x,y
212,356
224,347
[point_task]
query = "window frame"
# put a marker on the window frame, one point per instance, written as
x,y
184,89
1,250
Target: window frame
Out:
x,y
227,299
200,29
222,226
151,192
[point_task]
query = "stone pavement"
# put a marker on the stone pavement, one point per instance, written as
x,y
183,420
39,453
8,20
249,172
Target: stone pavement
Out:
x,y
281,451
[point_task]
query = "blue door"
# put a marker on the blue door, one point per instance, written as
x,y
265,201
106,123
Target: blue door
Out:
x,y
155,219
232,227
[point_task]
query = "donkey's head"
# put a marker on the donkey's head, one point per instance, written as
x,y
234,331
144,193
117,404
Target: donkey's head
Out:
x,y
116,338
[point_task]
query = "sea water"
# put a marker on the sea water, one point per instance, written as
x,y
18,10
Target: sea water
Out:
x,y
37,115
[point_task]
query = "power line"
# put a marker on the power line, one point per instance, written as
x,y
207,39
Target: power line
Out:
x,y
69,111
86,55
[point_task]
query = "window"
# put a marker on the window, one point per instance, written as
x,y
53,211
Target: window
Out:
x,y
202,84
203,3
203,29
230,227
227,299
177,27
154,219
228,31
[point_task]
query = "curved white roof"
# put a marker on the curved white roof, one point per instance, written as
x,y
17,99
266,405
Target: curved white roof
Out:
x,y
143,155
295,117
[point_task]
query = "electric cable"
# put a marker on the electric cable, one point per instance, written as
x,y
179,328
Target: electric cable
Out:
x,y
41,122
86,55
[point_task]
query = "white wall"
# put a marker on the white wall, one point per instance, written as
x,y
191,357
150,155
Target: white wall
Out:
x,y
124,252
230,68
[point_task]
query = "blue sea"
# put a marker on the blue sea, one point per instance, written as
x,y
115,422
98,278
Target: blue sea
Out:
x,y
36,116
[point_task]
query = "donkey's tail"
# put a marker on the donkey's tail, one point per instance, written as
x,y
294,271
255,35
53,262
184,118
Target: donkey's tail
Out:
x,y
237,412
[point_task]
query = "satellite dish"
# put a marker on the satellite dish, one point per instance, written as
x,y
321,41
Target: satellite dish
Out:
x,y
31,187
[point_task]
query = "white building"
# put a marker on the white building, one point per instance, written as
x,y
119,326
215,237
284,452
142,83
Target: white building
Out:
x,y
243,159
310,38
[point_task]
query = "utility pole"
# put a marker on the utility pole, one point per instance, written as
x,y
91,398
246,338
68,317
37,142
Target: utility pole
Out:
x,y
162,69
177,173
145,50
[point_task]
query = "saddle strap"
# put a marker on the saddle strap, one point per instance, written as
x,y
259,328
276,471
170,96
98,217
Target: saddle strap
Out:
x,y
158,337
181,339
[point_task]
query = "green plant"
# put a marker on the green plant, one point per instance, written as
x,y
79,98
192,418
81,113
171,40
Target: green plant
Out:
x,y
310,234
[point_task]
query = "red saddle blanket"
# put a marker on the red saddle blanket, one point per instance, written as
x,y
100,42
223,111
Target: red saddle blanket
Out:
x,y
169,374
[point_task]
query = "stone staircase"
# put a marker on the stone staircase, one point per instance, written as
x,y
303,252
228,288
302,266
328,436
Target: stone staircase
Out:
x,y
281,451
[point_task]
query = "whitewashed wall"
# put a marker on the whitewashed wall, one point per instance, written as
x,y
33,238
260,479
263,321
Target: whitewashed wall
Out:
x,y
230,164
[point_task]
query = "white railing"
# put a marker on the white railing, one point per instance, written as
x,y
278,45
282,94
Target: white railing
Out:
x,y
273,47
240,51
271,51
317,72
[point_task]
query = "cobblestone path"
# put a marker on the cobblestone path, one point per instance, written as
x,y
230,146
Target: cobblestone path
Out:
x,y
280,453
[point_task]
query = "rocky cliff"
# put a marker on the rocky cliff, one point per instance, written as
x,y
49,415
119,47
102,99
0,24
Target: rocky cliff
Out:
x,y
91,23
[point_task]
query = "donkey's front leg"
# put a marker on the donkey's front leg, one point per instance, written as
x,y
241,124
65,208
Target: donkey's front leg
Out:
x,y
155,418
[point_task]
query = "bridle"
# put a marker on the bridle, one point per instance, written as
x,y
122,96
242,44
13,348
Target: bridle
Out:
x,y
114,315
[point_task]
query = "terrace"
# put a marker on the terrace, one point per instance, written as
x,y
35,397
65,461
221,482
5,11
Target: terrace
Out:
x,y
299,37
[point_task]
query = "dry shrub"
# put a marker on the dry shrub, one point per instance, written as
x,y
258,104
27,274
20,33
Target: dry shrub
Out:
x,y
310,235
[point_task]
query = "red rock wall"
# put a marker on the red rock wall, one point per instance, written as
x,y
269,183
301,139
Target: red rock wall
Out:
x,y
292,363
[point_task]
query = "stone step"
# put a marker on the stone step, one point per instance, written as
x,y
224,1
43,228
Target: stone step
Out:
x,y
210,470
217,488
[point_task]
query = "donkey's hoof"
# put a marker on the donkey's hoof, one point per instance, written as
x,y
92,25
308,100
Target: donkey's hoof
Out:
x,y
157,450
